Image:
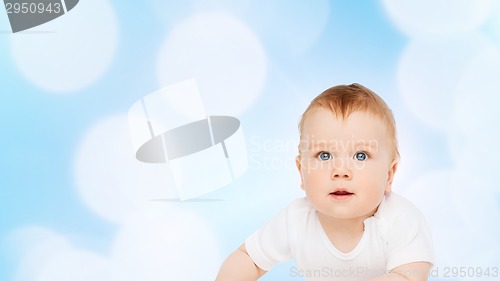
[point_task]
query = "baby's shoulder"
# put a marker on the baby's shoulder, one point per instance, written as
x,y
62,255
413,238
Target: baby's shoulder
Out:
x,y
395,206
300,206
395,202
298,213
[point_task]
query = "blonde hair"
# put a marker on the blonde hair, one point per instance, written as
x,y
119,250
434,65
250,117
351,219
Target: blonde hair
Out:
x,y
342,100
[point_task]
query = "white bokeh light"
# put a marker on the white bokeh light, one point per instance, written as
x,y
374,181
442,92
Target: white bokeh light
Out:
x,y
410,158
456,245
224,56
292,26
428,74
432,193
33,246
476,105
168,12
165,242
492,27
485,260
473,145
433,17
476,194
48,256
75,265
70,52
159,242
288,26
110,180
436,183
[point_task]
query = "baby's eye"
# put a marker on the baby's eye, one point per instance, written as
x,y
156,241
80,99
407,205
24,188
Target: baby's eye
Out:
x,y
360,156
324,156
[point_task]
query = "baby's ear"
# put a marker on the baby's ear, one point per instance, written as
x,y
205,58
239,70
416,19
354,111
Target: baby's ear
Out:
x,y
390,175
299,167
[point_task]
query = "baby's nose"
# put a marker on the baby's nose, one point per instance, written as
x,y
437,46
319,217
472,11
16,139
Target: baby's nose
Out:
x,y
341,171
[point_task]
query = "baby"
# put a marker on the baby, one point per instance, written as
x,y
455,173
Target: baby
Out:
x,y
350,226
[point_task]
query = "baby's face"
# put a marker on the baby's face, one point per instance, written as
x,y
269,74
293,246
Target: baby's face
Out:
x,y
346,165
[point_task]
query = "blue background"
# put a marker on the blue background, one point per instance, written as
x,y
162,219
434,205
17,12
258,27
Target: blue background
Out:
x,y
445,103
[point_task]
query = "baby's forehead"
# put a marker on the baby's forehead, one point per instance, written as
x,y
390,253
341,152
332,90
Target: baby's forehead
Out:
x,y
311,143
324,128
321,118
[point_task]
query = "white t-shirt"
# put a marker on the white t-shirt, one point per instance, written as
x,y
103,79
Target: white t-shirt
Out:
x,y
395,235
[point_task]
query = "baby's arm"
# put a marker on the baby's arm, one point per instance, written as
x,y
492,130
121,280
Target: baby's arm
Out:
x,y
239,267
415,271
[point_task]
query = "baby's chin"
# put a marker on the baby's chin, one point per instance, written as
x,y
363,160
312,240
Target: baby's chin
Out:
x,y
346,213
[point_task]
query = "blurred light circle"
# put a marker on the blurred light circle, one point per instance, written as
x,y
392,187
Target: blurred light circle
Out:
x,y
476,197
110,180
477,102
433,194
168,12
70,52
285,26
450,248
224,56
32,247
486,259
164,242
428,74
433,17
75,265
292,26
436,183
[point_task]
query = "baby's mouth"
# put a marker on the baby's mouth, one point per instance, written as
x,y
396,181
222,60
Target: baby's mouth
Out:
x,y
341,194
